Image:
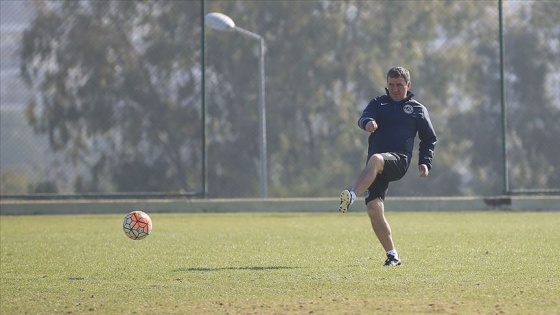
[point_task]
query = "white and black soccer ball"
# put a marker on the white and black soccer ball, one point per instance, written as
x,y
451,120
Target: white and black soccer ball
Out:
x,y
137,225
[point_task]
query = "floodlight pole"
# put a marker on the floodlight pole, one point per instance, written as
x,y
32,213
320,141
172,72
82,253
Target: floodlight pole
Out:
x,y
505,167
222,22
204,109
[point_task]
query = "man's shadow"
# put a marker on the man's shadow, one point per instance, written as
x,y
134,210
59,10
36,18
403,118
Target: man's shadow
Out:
x,y
253,268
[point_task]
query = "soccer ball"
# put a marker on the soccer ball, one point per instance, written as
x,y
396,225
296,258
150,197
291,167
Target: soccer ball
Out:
x,y
137,225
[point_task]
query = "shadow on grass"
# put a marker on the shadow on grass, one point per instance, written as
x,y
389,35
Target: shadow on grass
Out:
x,y
253,268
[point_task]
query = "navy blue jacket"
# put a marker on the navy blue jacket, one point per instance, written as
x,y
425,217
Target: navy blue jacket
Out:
x,y
398,123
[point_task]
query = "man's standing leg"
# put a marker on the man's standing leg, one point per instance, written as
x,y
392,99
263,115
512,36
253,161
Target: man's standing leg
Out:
x,y
382,229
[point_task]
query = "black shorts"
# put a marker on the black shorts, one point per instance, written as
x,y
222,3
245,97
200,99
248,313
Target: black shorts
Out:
x,y
395,167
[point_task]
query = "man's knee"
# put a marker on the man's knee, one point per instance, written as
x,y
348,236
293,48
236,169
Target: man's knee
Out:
x,y
376,162
375,208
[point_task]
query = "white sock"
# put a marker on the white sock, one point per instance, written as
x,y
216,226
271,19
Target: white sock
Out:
x,y
353,196
393,252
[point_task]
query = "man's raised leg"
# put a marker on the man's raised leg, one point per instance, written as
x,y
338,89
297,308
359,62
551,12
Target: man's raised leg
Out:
x,y
373,167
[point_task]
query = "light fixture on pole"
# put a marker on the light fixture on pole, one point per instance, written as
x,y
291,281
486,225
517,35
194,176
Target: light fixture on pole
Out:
x,y
223,22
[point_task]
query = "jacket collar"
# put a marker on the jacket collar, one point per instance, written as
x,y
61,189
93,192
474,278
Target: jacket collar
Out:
x,y
409,95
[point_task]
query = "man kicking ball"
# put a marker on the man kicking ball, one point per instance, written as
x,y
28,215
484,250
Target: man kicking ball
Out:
x,y
393,120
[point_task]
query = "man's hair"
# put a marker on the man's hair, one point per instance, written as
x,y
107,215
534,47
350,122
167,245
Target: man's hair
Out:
x,y
399,72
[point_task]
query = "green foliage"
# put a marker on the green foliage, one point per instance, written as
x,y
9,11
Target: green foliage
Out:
x,y
13,183
120,92
21,154
117,83
271,263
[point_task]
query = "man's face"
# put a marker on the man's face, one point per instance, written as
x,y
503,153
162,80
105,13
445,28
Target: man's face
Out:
x,y
398,88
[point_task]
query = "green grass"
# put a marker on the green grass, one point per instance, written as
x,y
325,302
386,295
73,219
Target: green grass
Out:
x,y
273,263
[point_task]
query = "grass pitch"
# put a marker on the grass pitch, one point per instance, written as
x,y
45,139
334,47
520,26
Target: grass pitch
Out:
x,y
281,263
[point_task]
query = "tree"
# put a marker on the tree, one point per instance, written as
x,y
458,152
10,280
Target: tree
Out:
x,y
119,85
120,91
533,114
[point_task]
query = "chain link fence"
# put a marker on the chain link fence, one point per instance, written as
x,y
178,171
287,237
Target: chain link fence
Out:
x,y
109,98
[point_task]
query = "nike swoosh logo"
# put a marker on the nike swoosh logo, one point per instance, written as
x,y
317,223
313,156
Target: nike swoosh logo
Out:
x,y
383,104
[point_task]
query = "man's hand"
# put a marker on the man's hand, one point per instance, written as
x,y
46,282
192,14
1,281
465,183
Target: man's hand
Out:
x,y
371,126
424,171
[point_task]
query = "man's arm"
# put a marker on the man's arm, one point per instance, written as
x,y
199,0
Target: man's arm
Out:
x,y
428,140
424,170
367,119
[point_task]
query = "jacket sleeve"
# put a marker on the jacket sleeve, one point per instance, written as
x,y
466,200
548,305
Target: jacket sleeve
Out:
x,y
428,140
368,114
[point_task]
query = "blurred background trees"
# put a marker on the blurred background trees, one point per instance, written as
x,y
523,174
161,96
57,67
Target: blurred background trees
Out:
x,y
117,91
